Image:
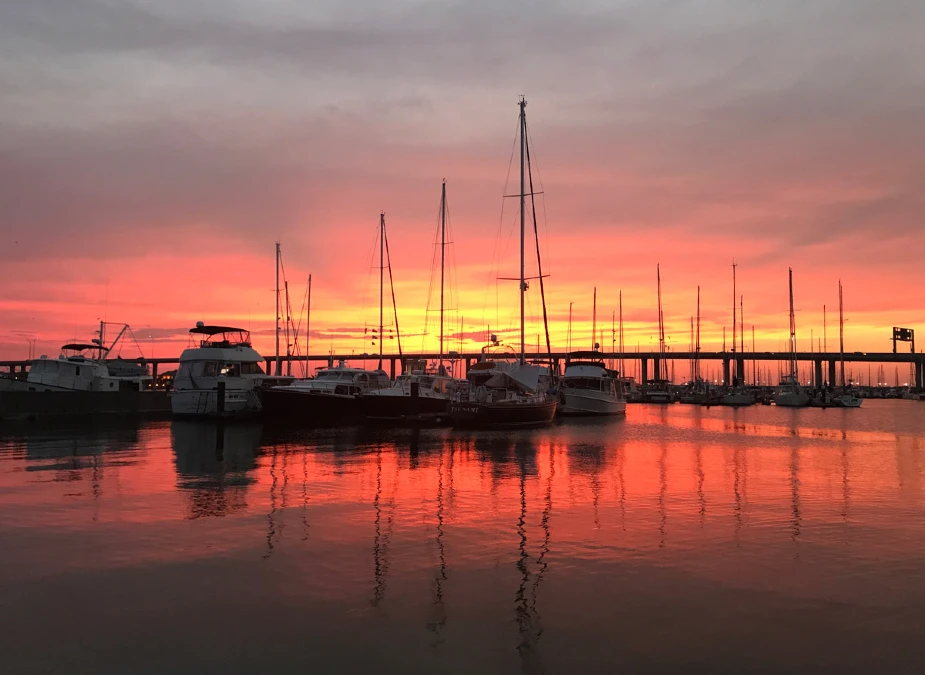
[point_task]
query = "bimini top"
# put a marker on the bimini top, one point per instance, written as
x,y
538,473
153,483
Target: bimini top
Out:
x,y
79,347
221,336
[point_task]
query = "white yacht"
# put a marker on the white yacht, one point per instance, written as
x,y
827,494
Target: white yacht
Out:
x,y
589,388
79,367
218,376
332,395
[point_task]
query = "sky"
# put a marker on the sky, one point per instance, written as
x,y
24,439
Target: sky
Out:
x,y
153,151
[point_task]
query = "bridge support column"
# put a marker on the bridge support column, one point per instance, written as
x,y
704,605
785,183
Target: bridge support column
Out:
x,y
392,369
919,374
154,371
644,369
817,373
832,381
656,369
726,379
740,369
269,366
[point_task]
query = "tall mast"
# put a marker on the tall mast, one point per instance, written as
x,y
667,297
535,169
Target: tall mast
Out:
x,y
523,282
288,321
442,262
308,325
697,343
793,330
841,334
594,319
661,323
733,306
277,309
381,278
621,333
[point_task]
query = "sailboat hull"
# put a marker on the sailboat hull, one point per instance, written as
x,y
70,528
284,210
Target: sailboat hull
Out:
x,y
399,409
309,407
502,415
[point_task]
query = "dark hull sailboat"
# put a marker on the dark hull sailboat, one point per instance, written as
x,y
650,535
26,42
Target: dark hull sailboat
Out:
x,y
309,407
514,394
404,409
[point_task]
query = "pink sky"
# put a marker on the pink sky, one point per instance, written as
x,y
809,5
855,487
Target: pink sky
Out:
x,y
152,154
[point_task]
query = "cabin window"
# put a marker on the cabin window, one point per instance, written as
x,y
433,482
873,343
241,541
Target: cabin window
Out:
x,y
209,369
231,369
251,369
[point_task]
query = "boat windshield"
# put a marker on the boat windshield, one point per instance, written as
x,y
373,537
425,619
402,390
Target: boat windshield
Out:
x,y
333,375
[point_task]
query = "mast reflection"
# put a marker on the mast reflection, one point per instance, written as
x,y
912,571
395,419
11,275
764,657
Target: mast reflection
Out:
x,y
796,518
439,615
662,495
526,615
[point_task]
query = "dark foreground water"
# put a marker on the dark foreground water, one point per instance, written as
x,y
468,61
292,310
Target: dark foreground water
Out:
x,y
679,539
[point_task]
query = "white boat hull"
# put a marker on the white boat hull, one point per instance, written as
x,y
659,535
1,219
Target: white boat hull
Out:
x,y
849,401
587,403
204,402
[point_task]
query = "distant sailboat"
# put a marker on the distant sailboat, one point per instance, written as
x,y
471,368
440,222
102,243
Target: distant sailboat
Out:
x,y
790,393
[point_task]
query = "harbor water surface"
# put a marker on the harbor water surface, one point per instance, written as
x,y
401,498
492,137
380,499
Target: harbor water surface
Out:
x,y
674,539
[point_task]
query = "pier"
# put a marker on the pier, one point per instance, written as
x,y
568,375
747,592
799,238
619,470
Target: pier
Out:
x,y
646,364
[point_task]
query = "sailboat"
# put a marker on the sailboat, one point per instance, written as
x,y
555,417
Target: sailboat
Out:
x,y
333,394
658,389
849,396
418,396
501,393
737,395
790,393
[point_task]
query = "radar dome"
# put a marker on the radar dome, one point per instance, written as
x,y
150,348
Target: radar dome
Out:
x,y
199,324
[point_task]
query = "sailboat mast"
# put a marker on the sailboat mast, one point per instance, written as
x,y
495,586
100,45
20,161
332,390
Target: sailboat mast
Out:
x,y
523,282
594,319
288,321
697,343
841,333
661,323
742,324
308,325
381,278
733,306
277,310
793,330
442,263
621,333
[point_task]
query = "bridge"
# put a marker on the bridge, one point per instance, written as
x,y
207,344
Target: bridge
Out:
x,y
823,363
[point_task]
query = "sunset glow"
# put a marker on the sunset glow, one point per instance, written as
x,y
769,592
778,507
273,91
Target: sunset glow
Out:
x,y
146,181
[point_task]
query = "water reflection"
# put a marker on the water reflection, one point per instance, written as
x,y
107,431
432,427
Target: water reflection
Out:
x,y
450,539
214,462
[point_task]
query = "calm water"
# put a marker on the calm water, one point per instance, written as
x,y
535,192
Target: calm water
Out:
x,y
679,538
